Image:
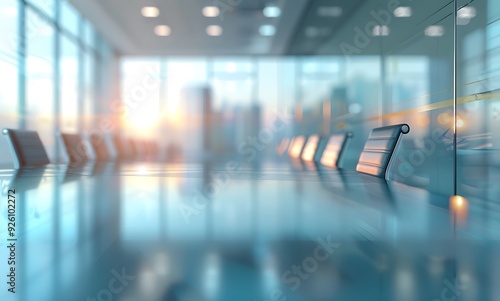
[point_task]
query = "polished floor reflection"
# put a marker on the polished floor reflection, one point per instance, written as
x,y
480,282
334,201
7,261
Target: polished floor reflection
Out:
x,y
213,232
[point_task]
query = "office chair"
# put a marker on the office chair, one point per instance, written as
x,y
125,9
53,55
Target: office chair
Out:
x,y
335,149
378,152
26,148
296,147
77,148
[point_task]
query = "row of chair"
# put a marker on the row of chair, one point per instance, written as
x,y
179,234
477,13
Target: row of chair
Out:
x,y
28,151
376,158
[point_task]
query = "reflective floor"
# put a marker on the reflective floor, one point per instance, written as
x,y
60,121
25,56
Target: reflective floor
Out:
x,y
218,232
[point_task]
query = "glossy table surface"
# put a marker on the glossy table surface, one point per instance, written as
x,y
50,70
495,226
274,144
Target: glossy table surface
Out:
x,y
142,231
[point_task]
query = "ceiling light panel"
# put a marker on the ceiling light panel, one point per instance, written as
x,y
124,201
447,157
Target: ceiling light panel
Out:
x,y
211,11
467,12
403,12
434,31
150,11
465,15
380,30
214,30
272,11
267,30
162,30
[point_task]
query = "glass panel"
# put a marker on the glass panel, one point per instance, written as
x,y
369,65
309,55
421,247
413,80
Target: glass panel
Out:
x,y
89,34
40,82
69,85
8,61
69,18
88,90
141,97
237,91
236,65
478,151
378,77
186,79
267,80
418,90
46,6
9,75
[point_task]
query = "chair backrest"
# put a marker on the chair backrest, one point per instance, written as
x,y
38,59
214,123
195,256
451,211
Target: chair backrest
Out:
x,y
283,146
379,149
77,148
125,148
26,148
310,148
335,149
100,147
296,146
134,148
152,150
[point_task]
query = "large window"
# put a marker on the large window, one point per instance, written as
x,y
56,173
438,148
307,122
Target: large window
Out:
x,y
69,85
48,70
9,61
241,95
88,90
40,76
48,7
9,65
69,19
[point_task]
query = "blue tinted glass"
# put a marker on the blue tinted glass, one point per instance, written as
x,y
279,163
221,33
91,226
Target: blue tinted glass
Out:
x,y
46,6
69,18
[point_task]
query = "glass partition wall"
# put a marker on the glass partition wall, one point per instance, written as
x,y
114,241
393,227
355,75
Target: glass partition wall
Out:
x,y
478,106
388,62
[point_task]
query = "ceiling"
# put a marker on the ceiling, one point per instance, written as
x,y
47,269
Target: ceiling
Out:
x,y
303,28
123,25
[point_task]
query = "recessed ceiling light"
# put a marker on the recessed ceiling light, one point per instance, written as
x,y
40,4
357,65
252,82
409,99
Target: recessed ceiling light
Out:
x,y
434,31
150,11
380,30
467,12
329,11
267,30
211,11
214,30
272,11
162,30
402,12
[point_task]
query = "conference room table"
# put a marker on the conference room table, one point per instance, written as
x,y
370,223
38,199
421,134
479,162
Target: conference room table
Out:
x,y
219,231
